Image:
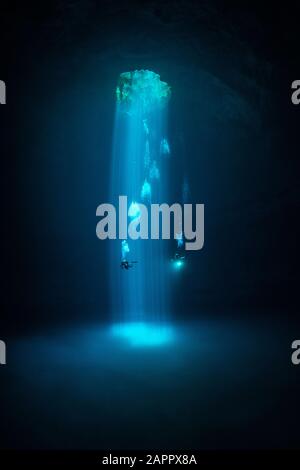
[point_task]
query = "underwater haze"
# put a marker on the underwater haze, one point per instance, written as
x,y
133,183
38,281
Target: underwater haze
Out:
x,y
174,101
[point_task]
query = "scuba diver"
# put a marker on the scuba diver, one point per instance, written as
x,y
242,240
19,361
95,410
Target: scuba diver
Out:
x,y
126,264
178,261
178,257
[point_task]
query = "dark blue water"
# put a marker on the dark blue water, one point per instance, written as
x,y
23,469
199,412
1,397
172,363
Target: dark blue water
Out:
x,y
205,385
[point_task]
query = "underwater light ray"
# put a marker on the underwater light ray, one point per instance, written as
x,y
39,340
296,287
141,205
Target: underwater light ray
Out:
x,y
141,294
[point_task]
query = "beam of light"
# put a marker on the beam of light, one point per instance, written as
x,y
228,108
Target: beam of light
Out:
x,y
141,334
124,249
140,172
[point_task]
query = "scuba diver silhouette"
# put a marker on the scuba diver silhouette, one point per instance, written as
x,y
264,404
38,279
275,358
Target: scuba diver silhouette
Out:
x,y
126,264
